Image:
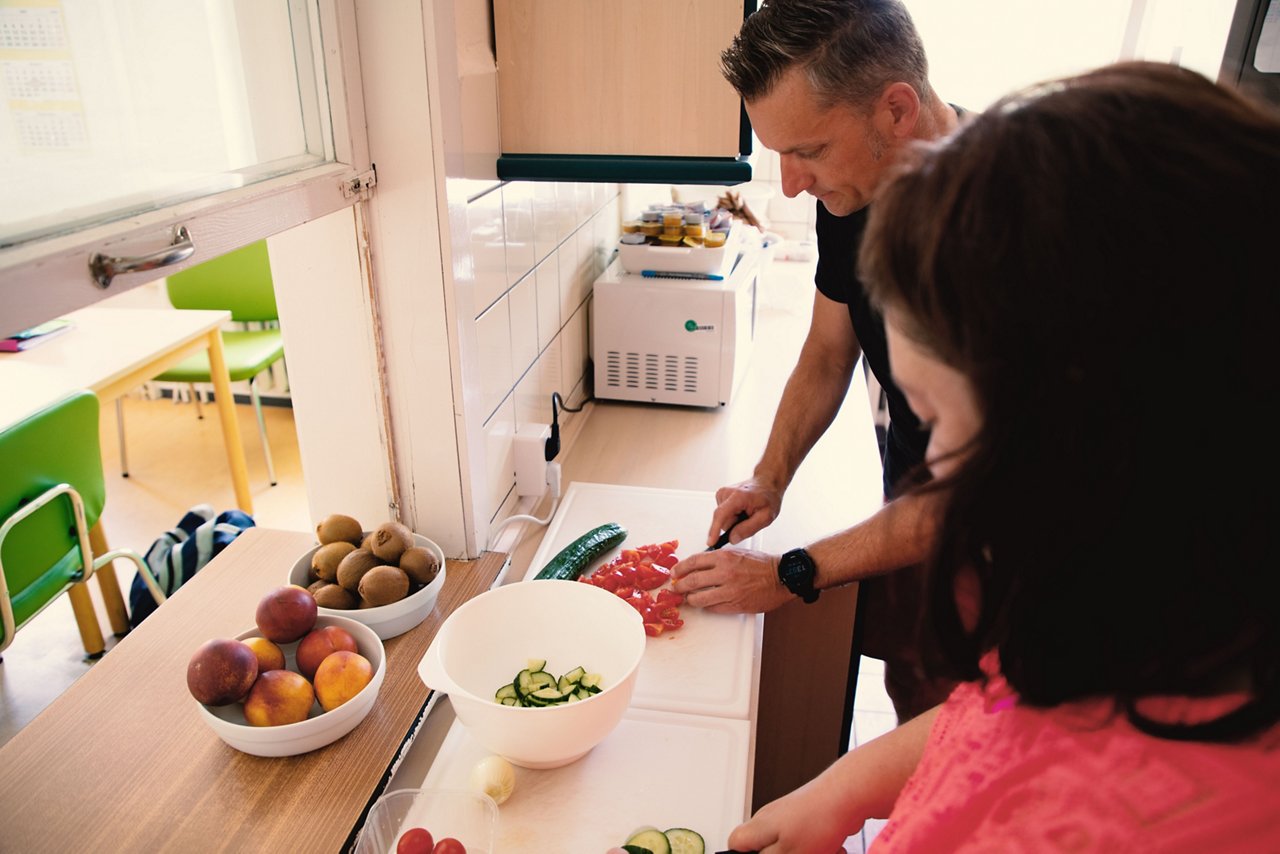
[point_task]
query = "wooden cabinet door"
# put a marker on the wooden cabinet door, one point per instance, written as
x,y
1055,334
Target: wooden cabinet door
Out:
x,y
609,77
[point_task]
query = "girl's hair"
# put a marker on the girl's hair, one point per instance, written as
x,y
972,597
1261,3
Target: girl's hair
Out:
x,y
850,50
1099,256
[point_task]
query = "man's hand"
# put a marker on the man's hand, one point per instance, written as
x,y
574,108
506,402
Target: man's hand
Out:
x,y
760,502
731,581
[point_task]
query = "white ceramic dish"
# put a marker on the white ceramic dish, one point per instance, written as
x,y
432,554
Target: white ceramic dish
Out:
x,y
322,727
387,620
488,640
469,817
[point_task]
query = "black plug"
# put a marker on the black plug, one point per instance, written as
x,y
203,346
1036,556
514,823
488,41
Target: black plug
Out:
x,y
552,447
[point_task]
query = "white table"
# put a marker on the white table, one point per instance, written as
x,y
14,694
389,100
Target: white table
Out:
x,y
111,351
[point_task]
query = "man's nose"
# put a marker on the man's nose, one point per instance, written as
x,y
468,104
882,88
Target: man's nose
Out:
x,y
795,178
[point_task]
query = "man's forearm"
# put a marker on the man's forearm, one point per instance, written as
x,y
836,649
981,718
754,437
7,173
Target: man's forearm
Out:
x,y
899,534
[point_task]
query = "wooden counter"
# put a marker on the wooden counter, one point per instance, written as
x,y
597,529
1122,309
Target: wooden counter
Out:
x,y
123,762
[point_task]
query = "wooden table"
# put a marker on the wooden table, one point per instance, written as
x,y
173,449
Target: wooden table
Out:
x,y
123,762
112,351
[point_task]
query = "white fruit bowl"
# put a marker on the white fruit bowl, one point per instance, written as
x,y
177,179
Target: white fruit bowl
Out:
x,y
387,620
488,640
320,728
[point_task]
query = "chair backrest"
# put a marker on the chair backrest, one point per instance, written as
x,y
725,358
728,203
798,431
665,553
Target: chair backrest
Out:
x,y
239,281
59,444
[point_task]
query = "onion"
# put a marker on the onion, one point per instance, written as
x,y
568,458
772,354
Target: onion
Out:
x,y
494,776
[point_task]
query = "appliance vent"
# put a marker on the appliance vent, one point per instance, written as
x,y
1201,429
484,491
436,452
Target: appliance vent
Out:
x,y
651,372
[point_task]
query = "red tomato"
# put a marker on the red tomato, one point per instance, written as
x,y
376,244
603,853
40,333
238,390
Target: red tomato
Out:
x,y
449,845
651,577
667,560
415,840
654,629
669,598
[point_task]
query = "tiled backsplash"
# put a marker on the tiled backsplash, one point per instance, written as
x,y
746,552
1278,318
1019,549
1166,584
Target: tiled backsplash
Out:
x,y
529,255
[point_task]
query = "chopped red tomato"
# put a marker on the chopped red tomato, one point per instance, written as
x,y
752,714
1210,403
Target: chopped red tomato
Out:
x,y
635,572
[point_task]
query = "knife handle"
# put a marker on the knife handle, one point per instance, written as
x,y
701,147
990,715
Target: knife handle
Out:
x,y
724,536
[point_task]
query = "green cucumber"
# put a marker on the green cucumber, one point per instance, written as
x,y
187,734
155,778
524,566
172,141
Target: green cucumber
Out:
x,y
685,841
654,840
636,849
574,558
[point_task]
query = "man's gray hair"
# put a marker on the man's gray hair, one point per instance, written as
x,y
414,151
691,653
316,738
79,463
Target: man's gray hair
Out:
x,y
850,50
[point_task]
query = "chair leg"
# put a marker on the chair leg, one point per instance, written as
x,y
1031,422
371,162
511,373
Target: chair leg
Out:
x,y
124,456
86,619
262,429
195,396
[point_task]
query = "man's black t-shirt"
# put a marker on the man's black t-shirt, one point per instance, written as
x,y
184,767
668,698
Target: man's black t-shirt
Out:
x,y
837,278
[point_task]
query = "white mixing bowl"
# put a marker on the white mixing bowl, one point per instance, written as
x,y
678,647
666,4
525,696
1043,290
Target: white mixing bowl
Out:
x,y
488,640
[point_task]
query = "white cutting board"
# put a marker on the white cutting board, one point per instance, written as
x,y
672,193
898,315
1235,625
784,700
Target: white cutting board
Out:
x,y
656,768
708,665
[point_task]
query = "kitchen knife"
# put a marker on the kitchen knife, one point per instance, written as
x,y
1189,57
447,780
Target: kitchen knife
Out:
x,y
724,537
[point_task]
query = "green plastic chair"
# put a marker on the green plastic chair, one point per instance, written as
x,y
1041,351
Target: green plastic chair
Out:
x,y
240,282
51,494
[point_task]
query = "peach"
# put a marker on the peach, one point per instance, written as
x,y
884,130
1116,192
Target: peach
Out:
x,y
278,697
221,671
317,646
270,656
286,614
340,677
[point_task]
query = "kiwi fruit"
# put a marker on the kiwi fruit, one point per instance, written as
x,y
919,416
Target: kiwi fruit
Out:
x,y
339,528
367,543
324,563
390,539
316,585
353,567
334,596
383,585
420,564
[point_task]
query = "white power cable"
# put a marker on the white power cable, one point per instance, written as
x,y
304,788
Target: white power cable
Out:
x,y
553,484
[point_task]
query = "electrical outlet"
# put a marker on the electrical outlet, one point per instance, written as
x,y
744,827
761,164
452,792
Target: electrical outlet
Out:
x,y
531,460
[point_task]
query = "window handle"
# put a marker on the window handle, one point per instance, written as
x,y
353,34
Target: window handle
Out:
x,y
106,267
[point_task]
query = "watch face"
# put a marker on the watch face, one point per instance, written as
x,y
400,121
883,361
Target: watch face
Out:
x,y
796,572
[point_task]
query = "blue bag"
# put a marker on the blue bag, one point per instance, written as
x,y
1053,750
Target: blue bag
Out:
x,y
177,555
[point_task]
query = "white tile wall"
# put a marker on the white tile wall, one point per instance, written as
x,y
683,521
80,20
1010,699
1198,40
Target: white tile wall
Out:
x,y
494,348
547,276
523,300
526,263
486,249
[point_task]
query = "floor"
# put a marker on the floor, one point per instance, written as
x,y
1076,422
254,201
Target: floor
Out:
x,y
682,448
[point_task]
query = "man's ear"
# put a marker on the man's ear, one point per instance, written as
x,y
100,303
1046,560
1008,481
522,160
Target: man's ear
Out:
x,y
898,110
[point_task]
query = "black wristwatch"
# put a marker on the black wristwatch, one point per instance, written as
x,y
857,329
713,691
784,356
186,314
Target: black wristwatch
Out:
x,y
796,571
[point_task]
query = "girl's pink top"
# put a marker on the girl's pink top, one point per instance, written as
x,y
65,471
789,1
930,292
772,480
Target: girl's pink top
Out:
x,y
997,776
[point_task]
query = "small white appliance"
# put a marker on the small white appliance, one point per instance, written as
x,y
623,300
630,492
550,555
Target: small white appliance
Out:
x,y
683,341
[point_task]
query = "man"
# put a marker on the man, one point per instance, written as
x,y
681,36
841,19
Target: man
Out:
x,y
837,88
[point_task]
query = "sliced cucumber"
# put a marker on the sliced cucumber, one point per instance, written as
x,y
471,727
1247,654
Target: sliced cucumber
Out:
x,y
590,680
685,841
575,675
542,679
574,558
654,840
548,696
524,684
636,849
506,692
536,664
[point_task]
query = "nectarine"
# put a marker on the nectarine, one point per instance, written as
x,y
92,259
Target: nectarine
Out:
x,y
340,677
221,671
278,697
318,644
270,656
286,613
